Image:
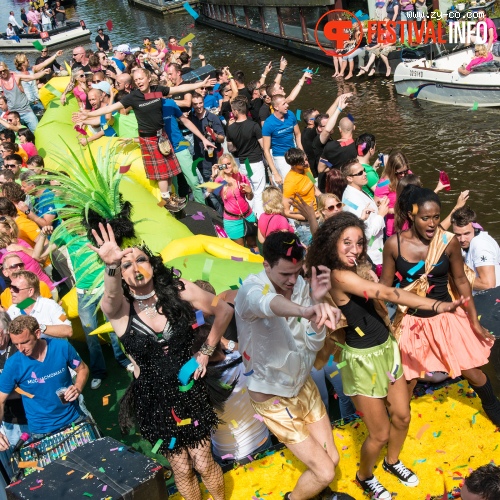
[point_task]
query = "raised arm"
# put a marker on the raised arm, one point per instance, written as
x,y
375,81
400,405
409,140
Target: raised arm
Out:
x,y
187,87
83,115
47,62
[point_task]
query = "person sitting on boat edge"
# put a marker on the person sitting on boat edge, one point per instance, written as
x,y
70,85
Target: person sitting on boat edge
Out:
x,y
492,44
11,34
481,55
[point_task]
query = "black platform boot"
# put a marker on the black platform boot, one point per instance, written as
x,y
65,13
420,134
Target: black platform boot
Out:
x,y
491,404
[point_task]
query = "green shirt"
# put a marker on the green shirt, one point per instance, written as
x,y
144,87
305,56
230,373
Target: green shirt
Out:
x,y
372,177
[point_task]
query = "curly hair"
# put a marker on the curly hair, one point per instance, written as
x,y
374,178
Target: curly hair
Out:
x,y
323,250
22,323
14,192
399,218
414,195
168,287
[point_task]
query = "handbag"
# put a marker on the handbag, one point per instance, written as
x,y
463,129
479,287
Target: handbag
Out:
x,y
421,285
164,146
250,228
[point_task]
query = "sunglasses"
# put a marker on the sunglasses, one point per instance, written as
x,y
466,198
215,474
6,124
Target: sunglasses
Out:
x,y
44,51
10,120
10,165
78,54
96,81
361,172
3,218
19,265
402,172
81,76
337,206
16,289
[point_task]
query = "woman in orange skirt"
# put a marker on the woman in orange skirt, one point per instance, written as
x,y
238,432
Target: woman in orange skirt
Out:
x,y
455,342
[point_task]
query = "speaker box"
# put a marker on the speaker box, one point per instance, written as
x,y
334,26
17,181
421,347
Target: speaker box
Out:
x,y
199,74
100,469
201,224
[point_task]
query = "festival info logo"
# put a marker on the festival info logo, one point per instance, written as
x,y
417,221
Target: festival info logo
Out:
x,y
339,32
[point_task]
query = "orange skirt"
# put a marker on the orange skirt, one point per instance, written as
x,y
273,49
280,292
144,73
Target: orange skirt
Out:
x,y
443,343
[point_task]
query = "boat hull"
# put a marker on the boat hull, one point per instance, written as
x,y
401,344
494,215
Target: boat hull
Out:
x,y
57,40
439,81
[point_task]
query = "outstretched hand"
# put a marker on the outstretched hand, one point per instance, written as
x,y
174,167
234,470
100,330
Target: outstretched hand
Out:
x,y
107,249
321,282
322,315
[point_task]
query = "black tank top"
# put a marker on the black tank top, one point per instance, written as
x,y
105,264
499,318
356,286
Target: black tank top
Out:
x,y
438,279
362,315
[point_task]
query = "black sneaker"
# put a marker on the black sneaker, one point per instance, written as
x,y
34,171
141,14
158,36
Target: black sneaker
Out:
x,y
405,475
373,487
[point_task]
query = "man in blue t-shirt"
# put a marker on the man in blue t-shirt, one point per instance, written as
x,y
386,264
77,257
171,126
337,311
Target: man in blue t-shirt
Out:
x,y
280,133
40,369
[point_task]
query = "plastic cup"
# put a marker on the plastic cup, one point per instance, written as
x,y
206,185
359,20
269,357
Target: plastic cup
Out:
x,y
60,393
210,152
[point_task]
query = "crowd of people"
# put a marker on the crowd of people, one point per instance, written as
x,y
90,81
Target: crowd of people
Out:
x,y
352,258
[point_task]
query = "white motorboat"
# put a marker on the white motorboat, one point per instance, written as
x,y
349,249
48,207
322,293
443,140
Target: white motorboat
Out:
x,y
73,33
439,80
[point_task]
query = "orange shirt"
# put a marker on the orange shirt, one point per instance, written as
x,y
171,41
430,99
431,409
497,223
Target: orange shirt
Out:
x,y
296,183
28,230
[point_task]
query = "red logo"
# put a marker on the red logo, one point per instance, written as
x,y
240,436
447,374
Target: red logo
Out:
x,y
339,29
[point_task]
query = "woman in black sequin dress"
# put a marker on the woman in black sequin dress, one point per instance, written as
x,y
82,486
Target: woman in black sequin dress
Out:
x,y
152,312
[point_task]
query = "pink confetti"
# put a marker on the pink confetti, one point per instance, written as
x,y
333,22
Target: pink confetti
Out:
x,y
57,283
225,457
195,423
105,487
76,362
276,402
391,377
258,417
250,458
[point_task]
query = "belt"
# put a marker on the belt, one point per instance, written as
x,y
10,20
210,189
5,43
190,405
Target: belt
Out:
x,y
149,134
243,216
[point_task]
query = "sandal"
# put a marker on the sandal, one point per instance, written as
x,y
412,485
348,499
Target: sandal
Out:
x,y
362,71
372,72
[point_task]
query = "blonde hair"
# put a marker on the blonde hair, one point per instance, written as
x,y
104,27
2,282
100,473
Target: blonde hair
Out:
x,y
10,222
322,200
19,60
272,198
230,157
161,43
481,49
6,240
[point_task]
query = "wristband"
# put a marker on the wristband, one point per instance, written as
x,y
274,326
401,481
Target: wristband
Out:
x,y
281,71
207,349
340,109
111,270
263,75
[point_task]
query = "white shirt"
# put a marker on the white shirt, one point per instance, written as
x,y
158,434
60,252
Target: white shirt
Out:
x,y
483,251
12,20
280,351
249,433
355,201
45,311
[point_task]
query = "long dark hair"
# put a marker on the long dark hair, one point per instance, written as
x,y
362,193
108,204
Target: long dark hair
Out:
x,y
323,250
414,195
168,287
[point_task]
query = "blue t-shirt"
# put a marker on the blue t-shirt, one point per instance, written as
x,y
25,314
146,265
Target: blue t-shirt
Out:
x,y
45,412
171,112
45,205
212,100
108,130
281,133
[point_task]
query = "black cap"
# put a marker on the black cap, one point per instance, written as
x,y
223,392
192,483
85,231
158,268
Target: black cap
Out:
x,y
100,28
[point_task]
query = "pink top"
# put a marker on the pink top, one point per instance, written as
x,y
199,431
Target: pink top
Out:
x,y
268,223
381,190
80,95
30,264
30,149
479,60
234,199
490,25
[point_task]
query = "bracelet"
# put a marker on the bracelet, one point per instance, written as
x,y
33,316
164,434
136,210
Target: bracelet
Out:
x,y
435,307
340,109
263,75
207,349
281,71
111,270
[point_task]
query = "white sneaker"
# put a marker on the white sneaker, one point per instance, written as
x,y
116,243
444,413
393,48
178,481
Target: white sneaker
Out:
x,y
96,383
130,367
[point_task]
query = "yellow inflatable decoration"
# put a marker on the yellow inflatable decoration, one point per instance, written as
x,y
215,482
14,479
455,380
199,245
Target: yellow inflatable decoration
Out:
x,y
192,255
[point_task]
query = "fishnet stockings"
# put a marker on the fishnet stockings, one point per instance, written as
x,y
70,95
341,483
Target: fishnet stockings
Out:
x,y
201,460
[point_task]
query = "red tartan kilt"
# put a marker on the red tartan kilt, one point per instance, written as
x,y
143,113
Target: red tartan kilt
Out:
x,y
157,166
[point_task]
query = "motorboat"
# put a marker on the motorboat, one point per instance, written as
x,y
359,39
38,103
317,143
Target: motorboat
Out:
x,y
73,33
439,81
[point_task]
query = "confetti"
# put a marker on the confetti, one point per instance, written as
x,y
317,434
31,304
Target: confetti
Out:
x,y
185,388
237,259
416,268
436,434
342,364
105,401
200,319
398,276
105,487
366,295
311,334
246,356
383,183
187,370
195,423
330,360
247,374
415,209
176,418
276,402
157,446
349,203
445,239
359,331
430,288
259,417
391,377
334,373
372,239
298,114
248,167
172,444
265,289
288,411
374,378
24,393
186,39
25,465
25,303
186,421
422,430
225,457
235,424
63,318
86,494
215,301
70,472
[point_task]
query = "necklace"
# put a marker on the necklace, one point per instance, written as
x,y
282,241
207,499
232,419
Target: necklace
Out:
x,y
149,309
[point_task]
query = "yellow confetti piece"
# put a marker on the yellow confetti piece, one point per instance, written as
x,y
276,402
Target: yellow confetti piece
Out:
x,y
333,374
235,424
415,209
266,289
70,472
374,378
143,271
359,331
215,301
105,401
186,421
24,393
86,475
479,317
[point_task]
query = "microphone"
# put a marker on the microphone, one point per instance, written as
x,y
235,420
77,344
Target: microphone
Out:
x,y
24,437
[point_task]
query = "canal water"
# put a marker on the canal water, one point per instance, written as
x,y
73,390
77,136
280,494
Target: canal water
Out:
x,y
462,142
